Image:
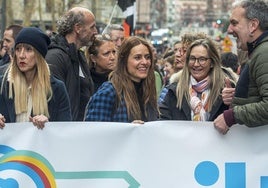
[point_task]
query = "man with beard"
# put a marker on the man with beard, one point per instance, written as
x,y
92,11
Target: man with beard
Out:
x,y
76,29
248,23
9,37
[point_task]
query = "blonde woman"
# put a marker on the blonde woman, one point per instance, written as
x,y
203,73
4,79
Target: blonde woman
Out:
x,y
197,95
28,92
101,57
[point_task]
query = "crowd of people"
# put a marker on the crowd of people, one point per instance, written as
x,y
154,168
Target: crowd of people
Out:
x,y
77,74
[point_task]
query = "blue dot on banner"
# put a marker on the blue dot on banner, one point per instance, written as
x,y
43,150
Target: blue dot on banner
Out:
x,y
206,173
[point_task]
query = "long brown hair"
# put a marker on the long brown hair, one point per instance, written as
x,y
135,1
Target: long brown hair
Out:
x,y
123,84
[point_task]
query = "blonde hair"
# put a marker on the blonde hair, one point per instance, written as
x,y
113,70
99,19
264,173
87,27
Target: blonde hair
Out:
x,y
216,74
188,38
41,90
98,41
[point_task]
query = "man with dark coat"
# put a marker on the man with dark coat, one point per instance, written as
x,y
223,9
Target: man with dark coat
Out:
x,y
76,29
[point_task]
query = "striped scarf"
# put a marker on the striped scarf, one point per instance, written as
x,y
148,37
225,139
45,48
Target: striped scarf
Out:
x,y
199,92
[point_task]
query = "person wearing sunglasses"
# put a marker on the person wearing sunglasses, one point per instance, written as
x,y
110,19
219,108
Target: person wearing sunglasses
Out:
x,y
197,94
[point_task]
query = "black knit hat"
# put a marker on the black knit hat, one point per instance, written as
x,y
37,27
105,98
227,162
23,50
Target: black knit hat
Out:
x,y
34,37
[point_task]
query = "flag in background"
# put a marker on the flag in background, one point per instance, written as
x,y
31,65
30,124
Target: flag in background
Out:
x,y
129,9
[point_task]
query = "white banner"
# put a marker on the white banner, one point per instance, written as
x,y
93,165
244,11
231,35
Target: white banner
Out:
x,y
164,154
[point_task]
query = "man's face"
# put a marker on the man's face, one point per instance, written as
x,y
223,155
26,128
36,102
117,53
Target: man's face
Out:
x,y
9,41
88,31
117,37
240,27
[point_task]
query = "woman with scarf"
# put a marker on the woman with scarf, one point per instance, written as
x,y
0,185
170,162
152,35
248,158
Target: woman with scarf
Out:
x,y
197,94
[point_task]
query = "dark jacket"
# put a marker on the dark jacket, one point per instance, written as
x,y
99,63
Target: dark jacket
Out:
x,y
69,65
58,106
250,104
98,78
169,111
5,60
3,69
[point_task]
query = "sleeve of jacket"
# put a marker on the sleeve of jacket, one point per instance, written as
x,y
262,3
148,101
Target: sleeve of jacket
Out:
x,y
3,106
101,105
60,108
166,105
58,63
254,111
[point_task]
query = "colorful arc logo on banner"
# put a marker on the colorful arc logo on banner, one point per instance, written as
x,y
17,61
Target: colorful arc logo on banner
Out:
x,y
43,174
30,163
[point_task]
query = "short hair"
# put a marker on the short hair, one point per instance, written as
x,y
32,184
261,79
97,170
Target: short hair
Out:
x,y
255,9
15,29
65,24
168,53
177,42
112,27
170,59
188,38
229,59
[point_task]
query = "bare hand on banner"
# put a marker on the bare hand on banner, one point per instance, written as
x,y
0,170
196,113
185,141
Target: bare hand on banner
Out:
x,y
2,121
39,121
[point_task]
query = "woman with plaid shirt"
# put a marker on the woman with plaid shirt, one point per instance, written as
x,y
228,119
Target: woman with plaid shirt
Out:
x,y
130,94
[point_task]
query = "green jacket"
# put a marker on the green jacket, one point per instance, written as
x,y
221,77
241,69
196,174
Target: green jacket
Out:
x,y
250,104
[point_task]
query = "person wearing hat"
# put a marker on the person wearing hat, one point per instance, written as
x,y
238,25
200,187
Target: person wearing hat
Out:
x,y
27,91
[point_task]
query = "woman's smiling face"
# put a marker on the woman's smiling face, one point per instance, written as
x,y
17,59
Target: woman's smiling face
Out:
x,y
139,62
198,71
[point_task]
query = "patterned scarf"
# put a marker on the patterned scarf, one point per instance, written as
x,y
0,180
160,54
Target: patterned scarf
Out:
x,y
199,92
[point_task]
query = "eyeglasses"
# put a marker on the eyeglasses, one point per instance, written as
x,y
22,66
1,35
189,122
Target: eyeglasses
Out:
x,y
201,60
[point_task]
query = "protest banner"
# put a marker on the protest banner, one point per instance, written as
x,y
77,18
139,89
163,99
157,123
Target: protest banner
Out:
x,y
161,154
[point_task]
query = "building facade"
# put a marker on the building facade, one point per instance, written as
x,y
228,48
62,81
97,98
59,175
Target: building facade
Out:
x,y
151,14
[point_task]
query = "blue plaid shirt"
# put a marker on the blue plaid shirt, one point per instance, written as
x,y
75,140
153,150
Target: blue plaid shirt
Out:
x,y
101,106
162,95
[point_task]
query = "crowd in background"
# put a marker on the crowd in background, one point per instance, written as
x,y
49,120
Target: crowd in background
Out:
x,y
78,74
